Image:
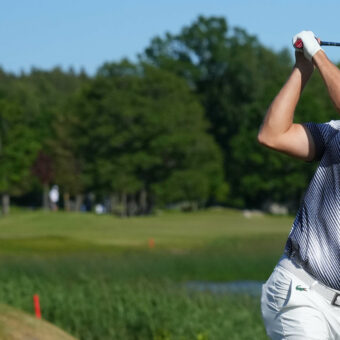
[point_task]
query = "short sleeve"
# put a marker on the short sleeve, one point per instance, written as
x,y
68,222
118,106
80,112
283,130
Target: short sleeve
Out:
x,y
321,133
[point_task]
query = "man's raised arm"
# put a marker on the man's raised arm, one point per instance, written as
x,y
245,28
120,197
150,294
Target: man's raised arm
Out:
x,y
278,131
331,76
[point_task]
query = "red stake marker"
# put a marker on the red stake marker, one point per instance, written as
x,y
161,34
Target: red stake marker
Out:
x,y
151,243
37,306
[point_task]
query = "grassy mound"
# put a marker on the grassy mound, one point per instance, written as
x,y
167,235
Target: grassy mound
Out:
x,y
17,325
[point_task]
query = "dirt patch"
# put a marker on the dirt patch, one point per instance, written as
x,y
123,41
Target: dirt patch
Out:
x,y
17,325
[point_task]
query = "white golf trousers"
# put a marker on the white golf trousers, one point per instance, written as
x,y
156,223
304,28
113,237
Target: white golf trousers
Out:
x,y
293,311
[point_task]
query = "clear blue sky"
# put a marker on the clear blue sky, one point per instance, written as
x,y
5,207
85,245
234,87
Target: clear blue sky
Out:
x,y
85,33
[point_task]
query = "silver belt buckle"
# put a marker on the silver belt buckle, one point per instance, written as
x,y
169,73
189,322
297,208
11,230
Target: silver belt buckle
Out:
x,y
336,300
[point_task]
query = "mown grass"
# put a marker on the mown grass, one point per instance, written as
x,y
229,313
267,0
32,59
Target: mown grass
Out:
x,y
167,229
98,279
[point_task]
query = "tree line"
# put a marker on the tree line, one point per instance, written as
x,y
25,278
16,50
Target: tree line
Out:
x,y
178,126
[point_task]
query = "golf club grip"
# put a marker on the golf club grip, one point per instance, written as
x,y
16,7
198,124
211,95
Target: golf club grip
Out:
x,y
299,43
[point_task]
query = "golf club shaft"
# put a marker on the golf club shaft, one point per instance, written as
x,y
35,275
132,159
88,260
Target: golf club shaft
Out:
x,y
299,43
329,43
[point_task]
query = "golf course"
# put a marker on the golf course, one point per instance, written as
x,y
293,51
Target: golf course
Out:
x,y
105,277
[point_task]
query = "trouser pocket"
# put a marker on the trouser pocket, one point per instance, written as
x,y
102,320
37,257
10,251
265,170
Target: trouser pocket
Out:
x,y
276,291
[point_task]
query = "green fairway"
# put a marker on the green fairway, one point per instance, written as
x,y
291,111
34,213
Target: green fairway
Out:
x,y
98,279
167,229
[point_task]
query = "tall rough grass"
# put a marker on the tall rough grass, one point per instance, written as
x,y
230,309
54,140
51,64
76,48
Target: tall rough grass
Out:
x,y
104,309
140,294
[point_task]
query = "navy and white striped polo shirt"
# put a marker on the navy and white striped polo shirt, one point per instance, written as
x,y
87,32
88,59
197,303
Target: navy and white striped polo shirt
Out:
x,y
314,240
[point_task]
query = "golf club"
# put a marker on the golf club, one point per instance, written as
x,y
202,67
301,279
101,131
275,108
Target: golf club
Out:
x,y
299,43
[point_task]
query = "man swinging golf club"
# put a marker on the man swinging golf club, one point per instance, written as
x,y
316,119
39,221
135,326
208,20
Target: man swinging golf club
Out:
x,y
301,299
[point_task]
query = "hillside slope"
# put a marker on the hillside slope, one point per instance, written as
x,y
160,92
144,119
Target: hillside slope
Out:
x,y
17,325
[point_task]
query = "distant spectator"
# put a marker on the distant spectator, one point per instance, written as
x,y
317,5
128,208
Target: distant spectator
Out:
x,y
54,197
99,209
88,202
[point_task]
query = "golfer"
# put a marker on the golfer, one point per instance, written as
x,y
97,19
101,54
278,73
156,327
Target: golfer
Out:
x,y
301,299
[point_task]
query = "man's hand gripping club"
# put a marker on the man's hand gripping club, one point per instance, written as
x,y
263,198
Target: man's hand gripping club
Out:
x,y
311,44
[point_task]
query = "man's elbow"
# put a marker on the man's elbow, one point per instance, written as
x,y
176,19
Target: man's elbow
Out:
x,y
260,138
265,140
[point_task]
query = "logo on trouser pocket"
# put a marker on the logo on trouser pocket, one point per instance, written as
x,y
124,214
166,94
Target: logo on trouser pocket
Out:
x,y
301,289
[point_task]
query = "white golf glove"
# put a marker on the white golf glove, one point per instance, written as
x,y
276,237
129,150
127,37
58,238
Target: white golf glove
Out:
x,y
310,44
